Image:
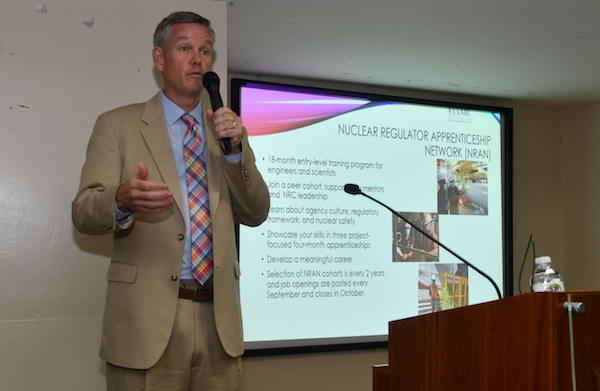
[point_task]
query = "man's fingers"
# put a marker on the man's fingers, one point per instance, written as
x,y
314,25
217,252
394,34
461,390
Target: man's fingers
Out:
x,y
224,119
144,195
139,195
143,184
149,201
143,174
147,186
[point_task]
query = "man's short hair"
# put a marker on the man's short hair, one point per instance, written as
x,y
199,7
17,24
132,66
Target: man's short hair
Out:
x,y
164,28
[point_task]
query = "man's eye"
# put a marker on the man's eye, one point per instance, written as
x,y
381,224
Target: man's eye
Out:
x,y
183,49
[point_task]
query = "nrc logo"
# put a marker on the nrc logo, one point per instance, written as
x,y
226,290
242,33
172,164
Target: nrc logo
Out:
x,y
459,112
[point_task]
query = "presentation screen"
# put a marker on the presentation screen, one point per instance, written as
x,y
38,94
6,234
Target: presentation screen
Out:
x,y
328,268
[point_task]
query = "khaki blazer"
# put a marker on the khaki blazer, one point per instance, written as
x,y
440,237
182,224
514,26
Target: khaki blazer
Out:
x,y
143,276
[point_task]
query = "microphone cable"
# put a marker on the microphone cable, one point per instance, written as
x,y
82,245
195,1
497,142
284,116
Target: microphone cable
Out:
x,y
531,243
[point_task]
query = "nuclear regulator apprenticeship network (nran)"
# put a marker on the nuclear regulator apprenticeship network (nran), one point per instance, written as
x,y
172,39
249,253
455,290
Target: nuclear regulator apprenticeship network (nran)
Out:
x,y
413,134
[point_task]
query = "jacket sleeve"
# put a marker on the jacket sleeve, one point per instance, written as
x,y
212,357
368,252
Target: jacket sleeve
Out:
x,y
249,193
93,209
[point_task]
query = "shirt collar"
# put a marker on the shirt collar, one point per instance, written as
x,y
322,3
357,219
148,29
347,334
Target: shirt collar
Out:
x,y
174,112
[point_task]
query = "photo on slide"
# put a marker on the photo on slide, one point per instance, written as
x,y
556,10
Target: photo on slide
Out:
x,y
442,287
409,245
462,187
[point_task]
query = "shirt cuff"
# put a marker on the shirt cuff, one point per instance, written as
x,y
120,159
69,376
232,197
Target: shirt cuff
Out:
x,y
234,158
123,218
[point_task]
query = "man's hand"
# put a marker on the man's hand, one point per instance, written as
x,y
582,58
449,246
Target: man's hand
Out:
x,y
139,195
226,123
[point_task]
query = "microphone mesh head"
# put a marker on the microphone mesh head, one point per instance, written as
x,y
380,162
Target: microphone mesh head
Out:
x,y
351,188
210,80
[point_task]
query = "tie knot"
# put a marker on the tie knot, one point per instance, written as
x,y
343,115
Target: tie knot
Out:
x,y
188,120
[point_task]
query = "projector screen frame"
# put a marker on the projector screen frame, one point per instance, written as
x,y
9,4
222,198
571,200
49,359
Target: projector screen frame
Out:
x,y
506,136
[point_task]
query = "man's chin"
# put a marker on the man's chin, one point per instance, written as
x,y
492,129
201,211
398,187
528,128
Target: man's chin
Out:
x,y
196,89
193,90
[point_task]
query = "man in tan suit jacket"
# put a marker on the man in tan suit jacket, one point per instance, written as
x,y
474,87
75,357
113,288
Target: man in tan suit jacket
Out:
x,y
130,167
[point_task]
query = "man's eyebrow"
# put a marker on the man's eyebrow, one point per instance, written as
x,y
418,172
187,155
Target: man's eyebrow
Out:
x,y
186,38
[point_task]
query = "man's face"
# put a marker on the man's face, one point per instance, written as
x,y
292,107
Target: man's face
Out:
x,y
187,58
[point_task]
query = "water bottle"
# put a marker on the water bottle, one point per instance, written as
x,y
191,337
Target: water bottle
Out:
x,y
546,279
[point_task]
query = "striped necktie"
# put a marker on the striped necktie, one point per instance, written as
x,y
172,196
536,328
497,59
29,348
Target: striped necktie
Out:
x,y
200,224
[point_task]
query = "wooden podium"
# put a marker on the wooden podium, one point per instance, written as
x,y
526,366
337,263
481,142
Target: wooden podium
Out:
x,y
521,343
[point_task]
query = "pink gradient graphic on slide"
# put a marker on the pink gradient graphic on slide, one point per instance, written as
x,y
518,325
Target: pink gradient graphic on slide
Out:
x,y
267,111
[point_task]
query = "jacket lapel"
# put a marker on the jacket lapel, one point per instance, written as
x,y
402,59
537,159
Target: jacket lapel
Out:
x,y
156,135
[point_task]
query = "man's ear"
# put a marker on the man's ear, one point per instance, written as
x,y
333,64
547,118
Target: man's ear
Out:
x,y
158,56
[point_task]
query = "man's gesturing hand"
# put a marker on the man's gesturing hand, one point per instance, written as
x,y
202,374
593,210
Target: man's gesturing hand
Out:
x,y
139,195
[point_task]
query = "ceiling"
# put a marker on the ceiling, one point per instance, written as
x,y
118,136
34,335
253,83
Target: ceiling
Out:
x,y
543,53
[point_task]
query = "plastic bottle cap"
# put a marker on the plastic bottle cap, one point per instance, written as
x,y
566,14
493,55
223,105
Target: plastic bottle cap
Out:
x,y
543,260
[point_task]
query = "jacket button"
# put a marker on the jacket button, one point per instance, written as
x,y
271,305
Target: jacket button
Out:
x,y
180,237
174,277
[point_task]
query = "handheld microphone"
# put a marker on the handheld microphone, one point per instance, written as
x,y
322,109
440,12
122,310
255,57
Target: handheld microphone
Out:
x,y
353,189
211,82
